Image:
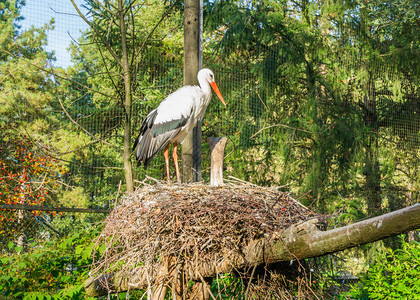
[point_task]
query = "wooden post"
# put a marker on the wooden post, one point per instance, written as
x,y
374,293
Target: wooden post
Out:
x,y
191,147
217,148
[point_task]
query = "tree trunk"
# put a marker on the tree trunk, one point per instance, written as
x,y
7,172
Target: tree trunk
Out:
x,y
317,172
22,215
296,242
372,171
21,240
127,101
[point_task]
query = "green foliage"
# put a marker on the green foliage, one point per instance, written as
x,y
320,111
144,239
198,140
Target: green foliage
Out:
x,y
227,286
53,269
394,275
95,99
25,88
302,80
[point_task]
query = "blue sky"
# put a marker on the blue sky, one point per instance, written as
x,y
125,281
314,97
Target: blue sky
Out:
x,y
67,24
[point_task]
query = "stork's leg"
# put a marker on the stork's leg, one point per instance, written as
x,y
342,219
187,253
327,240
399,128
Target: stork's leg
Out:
x,y
175,156
166,154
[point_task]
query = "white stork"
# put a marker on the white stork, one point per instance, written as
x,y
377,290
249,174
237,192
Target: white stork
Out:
x,y
171,121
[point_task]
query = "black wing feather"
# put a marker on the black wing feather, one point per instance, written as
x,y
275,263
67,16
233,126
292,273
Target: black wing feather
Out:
x,y
154,137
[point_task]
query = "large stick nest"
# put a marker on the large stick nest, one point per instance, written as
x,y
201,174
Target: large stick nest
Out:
x,y
191,222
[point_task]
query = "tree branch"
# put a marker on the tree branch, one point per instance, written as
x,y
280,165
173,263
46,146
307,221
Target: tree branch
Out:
x,y
105,42
54,74
80,126
136,54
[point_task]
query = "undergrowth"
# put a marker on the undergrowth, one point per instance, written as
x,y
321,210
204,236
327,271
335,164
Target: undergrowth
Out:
x,y
395,274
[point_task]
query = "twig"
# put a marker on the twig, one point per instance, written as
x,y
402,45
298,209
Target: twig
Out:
x,y
45,223
98,34
118,193
242,181
80,126
165,14
249,282
55,74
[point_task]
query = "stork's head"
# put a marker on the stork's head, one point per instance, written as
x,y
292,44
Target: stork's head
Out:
x,y
208,76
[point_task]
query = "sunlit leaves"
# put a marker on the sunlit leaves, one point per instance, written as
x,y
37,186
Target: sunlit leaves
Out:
x,y
394,275
54,269
27,175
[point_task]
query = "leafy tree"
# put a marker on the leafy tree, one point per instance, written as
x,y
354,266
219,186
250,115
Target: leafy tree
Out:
x,y
29,174
26,88
96,102
313,78
28,177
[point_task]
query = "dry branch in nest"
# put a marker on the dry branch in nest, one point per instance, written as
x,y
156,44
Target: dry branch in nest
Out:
x,y
195,224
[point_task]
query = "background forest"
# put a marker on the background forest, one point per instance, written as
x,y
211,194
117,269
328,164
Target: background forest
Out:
x,y
322,100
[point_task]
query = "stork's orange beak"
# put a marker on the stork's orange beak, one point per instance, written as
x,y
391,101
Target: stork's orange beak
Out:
x,y
216,90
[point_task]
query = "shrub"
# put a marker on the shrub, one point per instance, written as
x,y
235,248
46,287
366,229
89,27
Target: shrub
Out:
x,y
54,269
394,275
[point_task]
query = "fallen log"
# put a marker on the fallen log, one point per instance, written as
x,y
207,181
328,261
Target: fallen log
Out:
x,y
298,241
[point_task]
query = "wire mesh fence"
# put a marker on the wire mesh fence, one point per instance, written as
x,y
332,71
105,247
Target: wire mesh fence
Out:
x,y
311,109
22,226
322,100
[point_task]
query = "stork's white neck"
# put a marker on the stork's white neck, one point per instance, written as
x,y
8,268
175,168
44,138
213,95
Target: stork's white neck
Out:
x,y
205,86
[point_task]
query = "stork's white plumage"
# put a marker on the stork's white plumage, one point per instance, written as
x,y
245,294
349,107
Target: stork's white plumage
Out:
x,y
171,121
